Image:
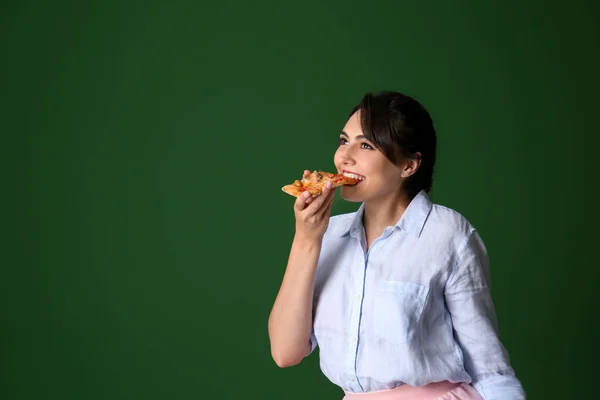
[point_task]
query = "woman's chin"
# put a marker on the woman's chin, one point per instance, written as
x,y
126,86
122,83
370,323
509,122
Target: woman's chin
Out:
x,y
349,193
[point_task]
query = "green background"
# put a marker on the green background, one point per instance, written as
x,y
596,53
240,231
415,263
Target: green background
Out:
x,y
144,145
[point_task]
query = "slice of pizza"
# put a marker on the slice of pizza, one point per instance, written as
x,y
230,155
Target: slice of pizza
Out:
x,y
315,181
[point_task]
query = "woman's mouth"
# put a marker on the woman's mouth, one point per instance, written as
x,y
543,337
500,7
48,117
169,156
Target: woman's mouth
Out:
x,y
353,175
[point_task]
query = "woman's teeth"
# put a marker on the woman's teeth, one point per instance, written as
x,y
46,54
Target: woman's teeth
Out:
x,y
354,176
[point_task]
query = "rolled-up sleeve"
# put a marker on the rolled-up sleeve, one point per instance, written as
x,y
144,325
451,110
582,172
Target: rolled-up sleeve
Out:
x,y
474,320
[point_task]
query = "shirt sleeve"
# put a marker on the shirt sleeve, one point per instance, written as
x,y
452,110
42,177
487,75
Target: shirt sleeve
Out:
x,y
313,338
474,320
313,343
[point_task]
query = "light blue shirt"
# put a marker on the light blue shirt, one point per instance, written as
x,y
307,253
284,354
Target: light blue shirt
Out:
x,y
415,308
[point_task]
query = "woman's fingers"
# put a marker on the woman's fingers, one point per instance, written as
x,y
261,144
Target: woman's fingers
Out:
x,y
300,202
326,209
316,205
319,200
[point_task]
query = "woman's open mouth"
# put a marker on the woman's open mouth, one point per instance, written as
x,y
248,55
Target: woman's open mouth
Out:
x,y
353,175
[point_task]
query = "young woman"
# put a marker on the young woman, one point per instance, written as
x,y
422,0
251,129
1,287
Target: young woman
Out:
x,y
397,294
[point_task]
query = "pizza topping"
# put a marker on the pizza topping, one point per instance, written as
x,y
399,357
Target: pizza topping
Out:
x,y
315,181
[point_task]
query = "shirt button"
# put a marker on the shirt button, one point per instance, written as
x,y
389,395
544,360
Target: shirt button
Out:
x,y
357,297
354,340
352,380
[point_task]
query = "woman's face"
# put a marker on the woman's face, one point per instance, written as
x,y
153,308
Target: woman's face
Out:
x,y
357,157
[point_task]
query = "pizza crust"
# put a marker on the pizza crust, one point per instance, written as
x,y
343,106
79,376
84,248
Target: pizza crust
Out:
x,y
293,190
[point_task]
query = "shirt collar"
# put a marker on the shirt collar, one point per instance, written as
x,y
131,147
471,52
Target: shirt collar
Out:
x,y
411,221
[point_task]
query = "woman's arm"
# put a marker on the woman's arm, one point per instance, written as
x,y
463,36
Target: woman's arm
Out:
x,y
469,302
290,321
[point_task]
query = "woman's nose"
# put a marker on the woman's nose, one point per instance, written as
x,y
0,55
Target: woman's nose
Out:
x,y
346,157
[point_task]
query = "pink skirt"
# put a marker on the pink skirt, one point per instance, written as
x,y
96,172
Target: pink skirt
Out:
x,y
433,391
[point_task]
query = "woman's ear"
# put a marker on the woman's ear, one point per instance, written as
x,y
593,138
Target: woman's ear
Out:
x,y
411,165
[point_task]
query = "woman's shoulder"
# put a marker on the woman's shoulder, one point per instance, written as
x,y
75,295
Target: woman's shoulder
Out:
x,y
446,219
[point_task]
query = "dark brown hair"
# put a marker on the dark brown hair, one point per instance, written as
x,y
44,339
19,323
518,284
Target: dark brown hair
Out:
x,y
399,126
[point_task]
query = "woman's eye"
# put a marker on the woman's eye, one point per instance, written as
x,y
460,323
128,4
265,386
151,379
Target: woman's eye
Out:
x,y
366,146
343,141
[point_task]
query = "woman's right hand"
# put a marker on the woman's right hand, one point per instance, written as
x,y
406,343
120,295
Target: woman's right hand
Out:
x,y
312,213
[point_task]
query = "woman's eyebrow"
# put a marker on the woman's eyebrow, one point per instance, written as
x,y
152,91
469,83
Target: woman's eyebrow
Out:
x,y
358,137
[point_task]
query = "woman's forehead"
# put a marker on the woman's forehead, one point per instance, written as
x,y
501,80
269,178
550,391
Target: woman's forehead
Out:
x,y
353,126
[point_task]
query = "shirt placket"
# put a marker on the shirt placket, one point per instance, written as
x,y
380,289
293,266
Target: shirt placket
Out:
x,y
356,314
354,328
